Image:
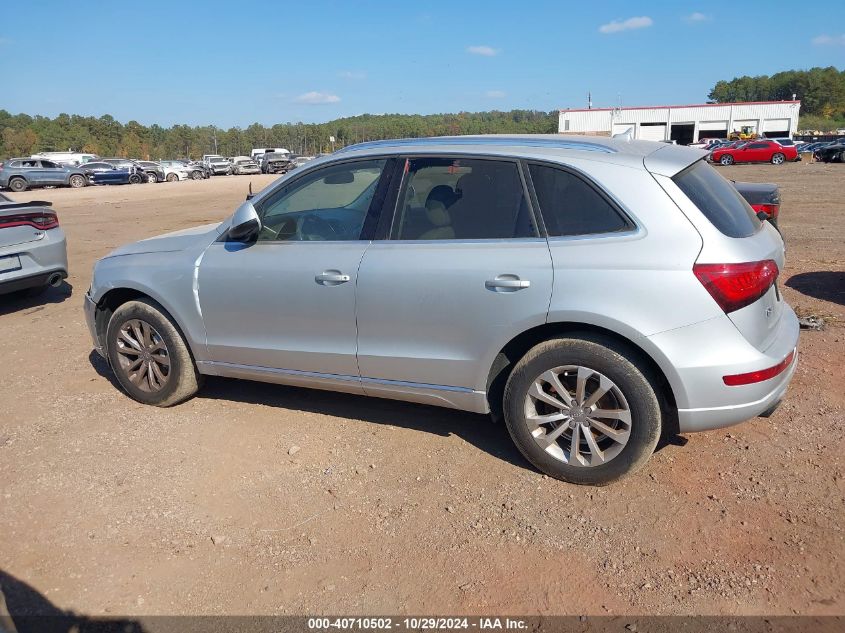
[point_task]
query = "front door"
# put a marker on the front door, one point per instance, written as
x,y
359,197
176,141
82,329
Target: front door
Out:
x,y
463,271
286,303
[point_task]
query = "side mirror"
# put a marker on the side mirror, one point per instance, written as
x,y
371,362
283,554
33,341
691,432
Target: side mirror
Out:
x,y
245,224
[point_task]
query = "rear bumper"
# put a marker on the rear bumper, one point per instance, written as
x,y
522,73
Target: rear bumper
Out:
x,y
39,261
700,355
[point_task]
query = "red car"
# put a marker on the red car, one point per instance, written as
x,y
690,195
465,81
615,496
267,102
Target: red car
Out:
x,y
755,152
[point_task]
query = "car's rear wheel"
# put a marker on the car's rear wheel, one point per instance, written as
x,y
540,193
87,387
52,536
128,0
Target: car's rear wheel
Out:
x,y
17,184
777,158
134,179
149,355
581,410
726,159
172,177
76,181
196,175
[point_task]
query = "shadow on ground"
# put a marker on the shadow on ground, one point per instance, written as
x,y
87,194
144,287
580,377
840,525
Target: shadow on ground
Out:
x,y
827,285
29,299
24,610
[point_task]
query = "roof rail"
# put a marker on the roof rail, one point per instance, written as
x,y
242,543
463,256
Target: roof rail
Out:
x,y
525,141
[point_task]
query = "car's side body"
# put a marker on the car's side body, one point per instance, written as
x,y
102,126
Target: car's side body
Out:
x,y
832,153
437,321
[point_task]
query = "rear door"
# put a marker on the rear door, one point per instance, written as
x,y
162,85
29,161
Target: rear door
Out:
x,y
462,269
50,173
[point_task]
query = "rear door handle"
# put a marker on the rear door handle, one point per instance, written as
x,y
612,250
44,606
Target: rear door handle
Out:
x,y
507,283
331,278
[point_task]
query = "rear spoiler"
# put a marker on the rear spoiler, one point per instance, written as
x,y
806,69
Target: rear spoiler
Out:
x,y
668,160
11,204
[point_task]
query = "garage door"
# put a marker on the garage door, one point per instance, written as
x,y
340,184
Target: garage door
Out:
x,y
653,132
775,125
712,125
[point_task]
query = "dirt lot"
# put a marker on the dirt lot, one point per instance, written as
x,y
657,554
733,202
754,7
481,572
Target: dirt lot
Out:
x,y
110,507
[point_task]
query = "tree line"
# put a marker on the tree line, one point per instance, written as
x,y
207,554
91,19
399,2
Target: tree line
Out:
x,y
22,135
820,90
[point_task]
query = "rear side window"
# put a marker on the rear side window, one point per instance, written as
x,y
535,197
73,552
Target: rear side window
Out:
x,y
571,206
462,199
718,200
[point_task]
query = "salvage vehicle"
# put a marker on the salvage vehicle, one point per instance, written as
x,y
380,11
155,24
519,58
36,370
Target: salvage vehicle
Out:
x,y
755,152
194,170
33,249
20,174
274,163
218,166
128,175
833,152
245,166
474,273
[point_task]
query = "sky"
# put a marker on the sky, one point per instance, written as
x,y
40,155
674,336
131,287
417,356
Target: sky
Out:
x,y
235,62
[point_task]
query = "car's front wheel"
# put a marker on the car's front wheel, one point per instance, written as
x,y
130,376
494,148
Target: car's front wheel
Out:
x,y
777,159
149,355
172,177
726,159
581,410
17,185
77,180
152,177
196,175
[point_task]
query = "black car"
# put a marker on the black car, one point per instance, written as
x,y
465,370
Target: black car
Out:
x,y
763,197
831,153
128,163
154,171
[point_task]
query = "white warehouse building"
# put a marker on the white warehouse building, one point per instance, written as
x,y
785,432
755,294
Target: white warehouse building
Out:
x,y
686,123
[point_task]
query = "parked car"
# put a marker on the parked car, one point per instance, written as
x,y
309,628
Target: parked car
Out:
x,y
127,175
194,170
421,270
257,153
245,166
20,174
754,152
155,172
832,153
763,197
33,250
274,163
218,166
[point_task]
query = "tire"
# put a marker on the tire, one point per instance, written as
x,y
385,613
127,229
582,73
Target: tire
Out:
x,y
18,184
152,177
167,387
625,447
196,175
778,158
134,179
726,159
77,181
172,177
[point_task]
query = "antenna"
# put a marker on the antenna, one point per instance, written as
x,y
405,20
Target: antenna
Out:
x,y
589,100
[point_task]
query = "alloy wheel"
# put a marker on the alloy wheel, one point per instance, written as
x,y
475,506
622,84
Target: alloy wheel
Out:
x,y
578,415
143,355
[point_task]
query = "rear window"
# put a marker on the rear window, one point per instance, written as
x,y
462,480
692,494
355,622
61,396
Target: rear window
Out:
x,y
718,200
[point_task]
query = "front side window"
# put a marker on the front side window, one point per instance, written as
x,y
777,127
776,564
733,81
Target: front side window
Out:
x,y
328,204
570,206
462,199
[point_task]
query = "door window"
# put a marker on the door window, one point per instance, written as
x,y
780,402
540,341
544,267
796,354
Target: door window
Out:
x,y
462,199
571,206
327,204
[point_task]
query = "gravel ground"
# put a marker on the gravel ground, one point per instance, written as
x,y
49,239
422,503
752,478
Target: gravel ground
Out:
x,y
255,498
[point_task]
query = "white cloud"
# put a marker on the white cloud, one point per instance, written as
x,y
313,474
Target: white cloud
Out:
x,y
496,94
697,17
486,51
352,74
829,40
626,25
317,98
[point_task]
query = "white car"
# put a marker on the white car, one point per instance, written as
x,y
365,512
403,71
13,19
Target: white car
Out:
x,y
173,173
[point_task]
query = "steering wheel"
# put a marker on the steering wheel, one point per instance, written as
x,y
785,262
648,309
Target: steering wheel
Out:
x,y
312,227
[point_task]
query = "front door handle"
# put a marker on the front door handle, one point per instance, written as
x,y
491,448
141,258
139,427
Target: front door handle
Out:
x,y
331,278
506,283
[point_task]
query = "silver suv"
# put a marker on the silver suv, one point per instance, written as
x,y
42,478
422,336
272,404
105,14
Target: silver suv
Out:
x,y
594,293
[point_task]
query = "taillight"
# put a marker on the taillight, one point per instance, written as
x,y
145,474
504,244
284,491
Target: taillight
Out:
x,y
770,209
735,286
37,219
751,377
